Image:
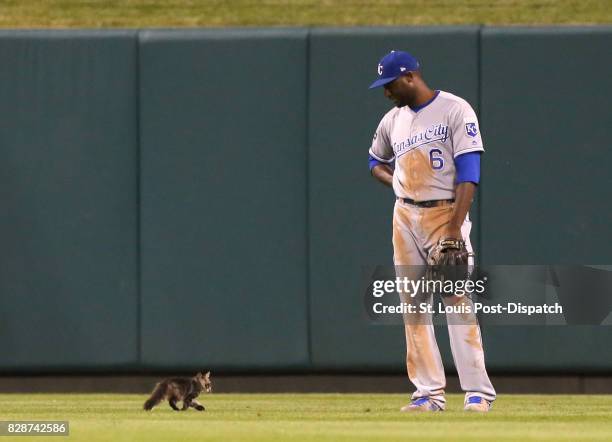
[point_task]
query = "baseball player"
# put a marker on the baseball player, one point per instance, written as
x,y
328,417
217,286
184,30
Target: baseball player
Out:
x,y
428,148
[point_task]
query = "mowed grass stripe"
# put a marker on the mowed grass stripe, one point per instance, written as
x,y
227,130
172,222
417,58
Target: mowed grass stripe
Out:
x,y
309,417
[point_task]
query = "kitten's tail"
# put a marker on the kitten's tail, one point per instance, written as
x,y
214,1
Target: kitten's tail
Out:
x,y
156,397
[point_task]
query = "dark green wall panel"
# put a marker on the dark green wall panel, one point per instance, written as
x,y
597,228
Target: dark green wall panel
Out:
x,y
224,198
68,229
551,349
350,213
546,112
546,178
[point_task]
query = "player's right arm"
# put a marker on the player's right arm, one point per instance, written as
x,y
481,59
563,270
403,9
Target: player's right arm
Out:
x,y
381,154
383,173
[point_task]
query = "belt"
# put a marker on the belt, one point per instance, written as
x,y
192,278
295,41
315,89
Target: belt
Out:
x,y
431,203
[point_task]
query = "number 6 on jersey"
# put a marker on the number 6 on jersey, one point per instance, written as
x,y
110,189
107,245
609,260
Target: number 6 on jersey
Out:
x,y
437,162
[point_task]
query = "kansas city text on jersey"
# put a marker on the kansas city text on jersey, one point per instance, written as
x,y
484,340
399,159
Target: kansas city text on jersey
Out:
x,y
436,132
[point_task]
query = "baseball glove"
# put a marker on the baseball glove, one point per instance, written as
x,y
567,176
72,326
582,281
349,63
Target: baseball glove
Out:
x,y
448,260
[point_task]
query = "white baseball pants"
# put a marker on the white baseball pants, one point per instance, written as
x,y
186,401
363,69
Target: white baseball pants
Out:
x,y
415,231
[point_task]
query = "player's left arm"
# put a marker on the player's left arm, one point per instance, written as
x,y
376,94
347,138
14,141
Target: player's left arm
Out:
x,y
464,195
467,178
467,149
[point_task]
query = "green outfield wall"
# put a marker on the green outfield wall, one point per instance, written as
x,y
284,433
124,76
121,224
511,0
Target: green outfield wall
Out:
x,y
176,199
69,269
223,210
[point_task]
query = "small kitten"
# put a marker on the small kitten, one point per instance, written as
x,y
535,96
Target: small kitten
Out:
x,y
180,389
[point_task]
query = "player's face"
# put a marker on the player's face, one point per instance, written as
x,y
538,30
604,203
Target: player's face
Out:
x,y
399,91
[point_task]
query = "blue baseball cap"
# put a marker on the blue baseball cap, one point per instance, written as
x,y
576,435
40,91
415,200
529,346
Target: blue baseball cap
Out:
x,y
394,65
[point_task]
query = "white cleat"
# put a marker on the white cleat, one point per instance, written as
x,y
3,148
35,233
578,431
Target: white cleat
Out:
x,y
423,404
477,404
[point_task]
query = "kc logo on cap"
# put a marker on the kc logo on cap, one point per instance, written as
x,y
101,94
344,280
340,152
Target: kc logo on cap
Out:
x,y
394,65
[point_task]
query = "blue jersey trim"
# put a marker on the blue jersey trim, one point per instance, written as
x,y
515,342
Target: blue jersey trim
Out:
x,y
467,166
424,105
373,162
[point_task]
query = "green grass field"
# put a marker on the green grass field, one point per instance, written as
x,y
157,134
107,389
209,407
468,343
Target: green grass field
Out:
x,y
314,417
189,13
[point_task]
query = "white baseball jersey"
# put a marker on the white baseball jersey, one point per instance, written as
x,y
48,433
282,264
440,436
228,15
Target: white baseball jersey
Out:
x,y
424,144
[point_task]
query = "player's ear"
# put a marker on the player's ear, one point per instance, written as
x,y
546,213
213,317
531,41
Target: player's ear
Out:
x,y
411,76
405,79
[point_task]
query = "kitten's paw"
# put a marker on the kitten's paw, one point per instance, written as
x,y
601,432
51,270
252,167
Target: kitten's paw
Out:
x,y
200,408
